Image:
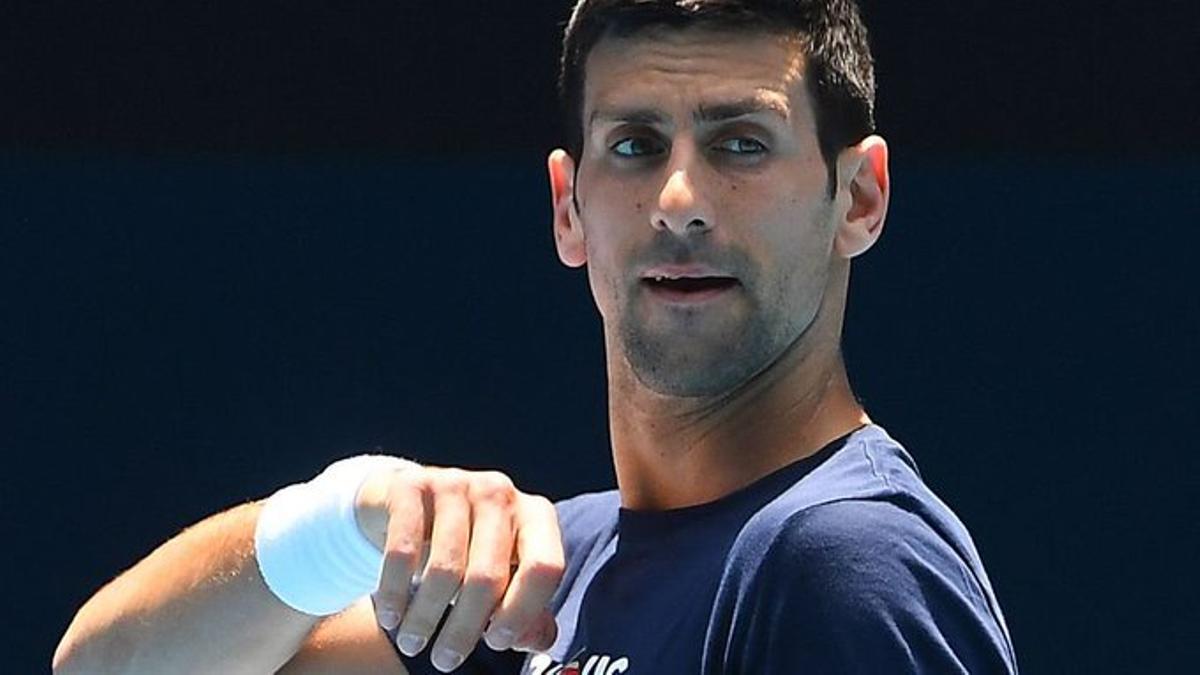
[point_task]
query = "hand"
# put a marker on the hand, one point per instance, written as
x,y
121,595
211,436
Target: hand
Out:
x,y
476,524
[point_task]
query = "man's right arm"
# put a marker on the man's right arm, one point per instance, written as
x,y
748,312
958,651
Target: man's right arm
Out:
x,y
199,604
196,604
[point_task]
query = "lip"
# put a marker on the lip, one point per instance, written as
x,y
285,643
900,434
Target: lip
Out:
x,y
667,294
678,297
694,271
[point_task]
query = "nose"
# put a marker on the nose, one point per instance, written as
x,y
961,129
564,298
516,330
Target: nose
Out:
x,y
681,207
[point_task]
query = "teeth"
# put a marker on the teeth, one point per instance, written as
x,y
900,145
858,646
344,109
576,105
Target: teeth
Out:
x,y
659,278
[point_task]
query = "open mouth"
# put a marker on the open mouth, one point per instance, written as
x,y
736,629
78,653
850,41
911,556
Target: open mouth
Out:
x,y
686,289
692,284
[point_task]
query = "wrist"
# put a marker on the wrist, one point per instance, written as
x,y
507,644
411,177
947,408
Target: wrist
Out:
x,y
311,551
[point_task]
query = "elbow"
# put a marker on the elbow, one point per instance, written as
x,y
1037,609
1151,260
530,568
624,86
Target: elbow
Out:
x,y
81,653
68,657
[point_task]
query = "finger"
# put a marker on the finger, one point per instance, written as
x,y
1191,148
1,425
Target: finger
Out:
x,y
540,566
444,572
541,637
493,499
407,531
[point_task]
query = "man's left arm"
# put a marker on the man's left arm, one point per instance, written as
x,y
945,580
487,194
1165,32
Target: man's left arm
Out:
x,y
857,586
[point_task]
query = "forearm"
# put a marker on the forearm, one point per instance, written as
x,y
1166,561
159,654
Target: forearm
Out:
x,y
196,604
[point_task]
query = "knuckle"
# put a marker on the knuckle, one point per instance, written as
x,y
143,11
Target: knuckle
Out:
x,y
401,553
491,581
444,571
404,474
452,481
496,480
537,507
546,571
404,480
494,486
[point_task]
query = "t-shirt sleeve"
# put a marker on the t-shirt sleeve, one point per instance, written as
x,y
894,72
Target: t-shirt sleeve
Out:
x,y
856,586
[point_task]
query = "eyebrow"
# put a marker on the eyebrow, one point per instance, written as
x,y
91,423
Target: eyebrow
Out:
x,y
715,112
720,112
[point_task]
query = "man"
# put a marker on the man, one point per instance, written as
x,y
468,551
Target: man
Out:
x,y
721,175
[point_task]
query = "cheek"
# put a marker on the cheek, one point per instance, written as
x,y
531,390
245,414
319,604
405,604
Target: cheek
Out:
x,y
796,248
611,219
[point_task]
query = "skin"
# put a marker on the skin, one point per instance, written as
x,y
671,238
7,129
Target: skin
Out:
x,y
705,399
476,524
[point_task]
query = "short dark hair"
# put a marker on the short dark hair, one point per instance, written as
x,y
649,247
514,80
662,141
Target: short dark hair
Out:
x,y
840,70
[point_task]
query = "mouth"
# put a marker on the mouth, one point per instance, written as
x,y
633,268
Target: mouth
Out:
x,y
688,289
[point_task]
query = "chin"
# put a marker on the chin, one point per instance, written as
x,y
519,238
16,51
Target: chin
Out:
x,y
690,375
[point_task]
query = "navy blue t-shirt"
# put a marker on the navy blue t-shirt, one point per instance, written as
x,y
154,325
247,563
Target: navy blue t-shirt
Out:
x,y
842,562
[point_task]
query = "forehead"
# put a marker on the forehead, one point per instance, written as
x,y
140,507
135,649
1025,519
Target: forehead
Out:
x,y
668,67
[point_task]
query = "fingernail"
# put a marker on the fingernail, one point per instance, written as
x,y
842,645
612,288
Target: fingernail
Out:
x,y
388,618
500,639
446,659
411,645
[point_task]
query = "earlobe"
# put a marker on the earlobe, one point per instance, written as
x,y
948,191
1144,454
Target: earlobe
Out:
x,y
864,170
568,234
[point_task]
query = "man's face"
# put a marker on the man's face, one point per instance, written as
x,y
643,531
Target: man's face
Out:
x,y
701,161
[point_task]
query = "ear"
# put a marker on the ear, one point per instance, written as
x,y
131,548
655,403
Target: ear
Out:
x,y
865,184
568,234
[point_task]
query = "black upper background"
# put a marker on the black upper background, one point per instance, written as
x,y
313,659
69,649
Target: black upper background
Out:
x,y
390,77
238,240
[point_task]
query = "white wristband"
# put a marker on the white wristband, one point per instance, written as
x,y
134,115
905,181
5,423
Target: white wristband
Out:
x,y
310,550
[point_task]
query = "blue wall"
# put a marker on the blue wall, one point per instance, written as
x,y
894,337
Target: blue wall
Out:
x,y
183,335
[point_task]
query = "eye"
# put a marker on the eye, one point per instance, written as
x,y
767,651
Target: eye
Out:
x,y
742,146
636,146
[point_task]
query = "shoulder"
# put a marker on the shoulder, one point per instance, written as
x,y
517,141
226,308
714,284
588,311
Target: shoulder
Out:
x,y
858,568
867,502
864,516
856,586
868,536
850,528
849,550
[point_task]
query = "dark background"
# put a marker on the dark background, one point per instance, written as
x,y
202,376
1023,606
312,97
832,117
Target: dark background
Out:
x,y
239,240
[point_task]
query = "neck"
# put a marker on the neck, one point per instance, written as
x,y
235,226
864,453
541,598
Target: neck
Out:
x,y
673,452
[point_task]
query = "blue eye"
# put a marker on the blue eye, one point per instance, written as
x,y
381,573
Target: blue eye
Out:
x,y
742,146
636,146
